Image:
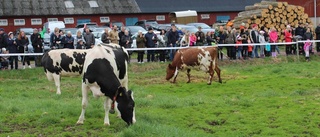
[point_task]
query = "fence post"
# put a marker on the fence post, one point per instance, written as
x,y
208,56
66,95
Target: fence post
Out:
x,y
297,50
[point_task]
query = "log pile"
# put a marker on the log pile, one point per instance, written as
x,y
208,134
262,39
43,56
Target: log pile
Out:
x,y
272,14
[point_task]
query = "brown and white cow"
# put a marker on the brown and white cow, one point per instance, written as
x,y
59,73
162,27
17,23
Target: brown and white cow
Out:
x,y
63,62
200,58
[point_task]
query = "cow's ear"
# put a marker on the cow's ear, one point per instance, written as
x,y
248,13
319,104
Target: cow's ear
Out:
x,y
121,91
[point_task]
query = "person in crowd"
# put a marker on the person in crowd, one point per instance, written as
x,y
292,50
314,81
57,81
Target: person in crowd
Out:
x,y
162,42
268,49
308,35
141,42
273,34
193,39
12,48
262,40
23,43
299,31
62,38
317,31
3,38
151,39
173,37
53,38
211,41
89,38
288,39
306,48
200,37
239,48
105,36
126,41
230,39
121,33
185,40
37,45
114,36
79,38
68,41
244,37
221,40
254,38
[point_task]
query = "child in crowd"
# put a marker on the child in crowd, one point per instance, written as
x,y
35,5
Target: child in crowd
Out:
x,y
250,47
80,44
268,49
262,41
306,48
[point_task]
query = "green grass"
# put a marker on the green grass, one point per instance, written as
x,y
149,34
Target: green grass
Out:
x,y
261,97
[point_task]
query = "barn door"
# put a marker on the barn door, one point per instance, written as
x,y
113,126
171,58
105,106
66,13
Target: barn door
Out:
x,y
131,21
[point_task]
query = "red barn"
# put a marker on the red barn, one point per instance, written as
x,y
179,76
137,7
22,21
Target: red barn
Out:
x,y
16,14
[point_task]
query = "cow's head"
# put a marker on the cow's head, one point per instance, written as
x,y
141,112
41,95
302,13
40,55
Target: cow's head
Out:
x,y
125,104
170,71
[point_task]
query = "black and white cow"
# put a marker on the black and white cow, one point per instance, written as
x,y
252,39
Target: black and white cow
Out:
x,y
105,74
62,62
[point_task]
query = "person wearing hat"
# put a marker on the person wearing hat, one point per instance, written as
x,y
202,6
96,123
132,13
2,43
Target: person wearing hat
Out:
x,y
3,39
288,38
141,42
262,41
151,39
200,37
12,48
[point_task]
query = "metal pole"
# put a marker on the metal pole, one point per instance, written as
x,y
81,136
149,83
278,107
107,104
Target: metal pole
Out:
x,y
315,12
297,50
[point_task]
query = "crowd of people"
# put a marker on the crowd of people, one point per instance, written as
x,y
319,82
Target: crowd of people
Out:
x,y
258,42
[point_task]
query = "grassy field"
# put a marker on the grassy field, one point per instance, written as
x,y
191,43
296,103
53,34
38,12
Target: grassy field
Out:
x,y
261,97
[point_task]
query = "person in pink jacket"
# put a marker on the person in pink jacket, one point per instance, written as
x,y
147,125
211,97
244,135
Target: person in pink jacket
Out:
x,y
273,34
306,49
193,39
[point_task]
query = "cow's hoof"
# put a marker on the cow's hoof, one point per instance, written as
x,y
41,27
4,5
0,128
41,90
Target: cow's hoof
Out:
x,y
106,124
209,83
188,82
111,111
79,122
58,93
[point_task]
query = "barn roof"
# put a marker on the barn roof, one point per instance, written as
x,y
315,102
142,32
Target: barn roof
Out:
x,y
89,7
164,6
66,7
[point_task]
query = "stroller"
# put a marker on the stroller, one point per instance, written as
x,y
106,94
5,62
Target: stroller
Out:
x,y
300,45
4,60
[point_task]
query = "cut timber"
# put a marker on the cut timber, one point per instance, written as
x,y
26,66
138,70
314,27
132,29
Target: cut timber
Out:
x,y
280,4
250,13
274,4
257,21
247,8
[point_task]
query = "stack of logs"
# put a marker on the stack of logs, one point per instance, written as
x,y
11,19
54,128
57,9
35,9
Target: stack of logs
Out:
x,y
272,14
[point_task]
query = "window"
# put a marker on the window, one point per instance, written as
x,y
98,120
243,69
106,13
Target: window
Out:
x,y
68,4
68,20
160,17
104,19
19,22
52,19
37,21
93,4
205,16
3,22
